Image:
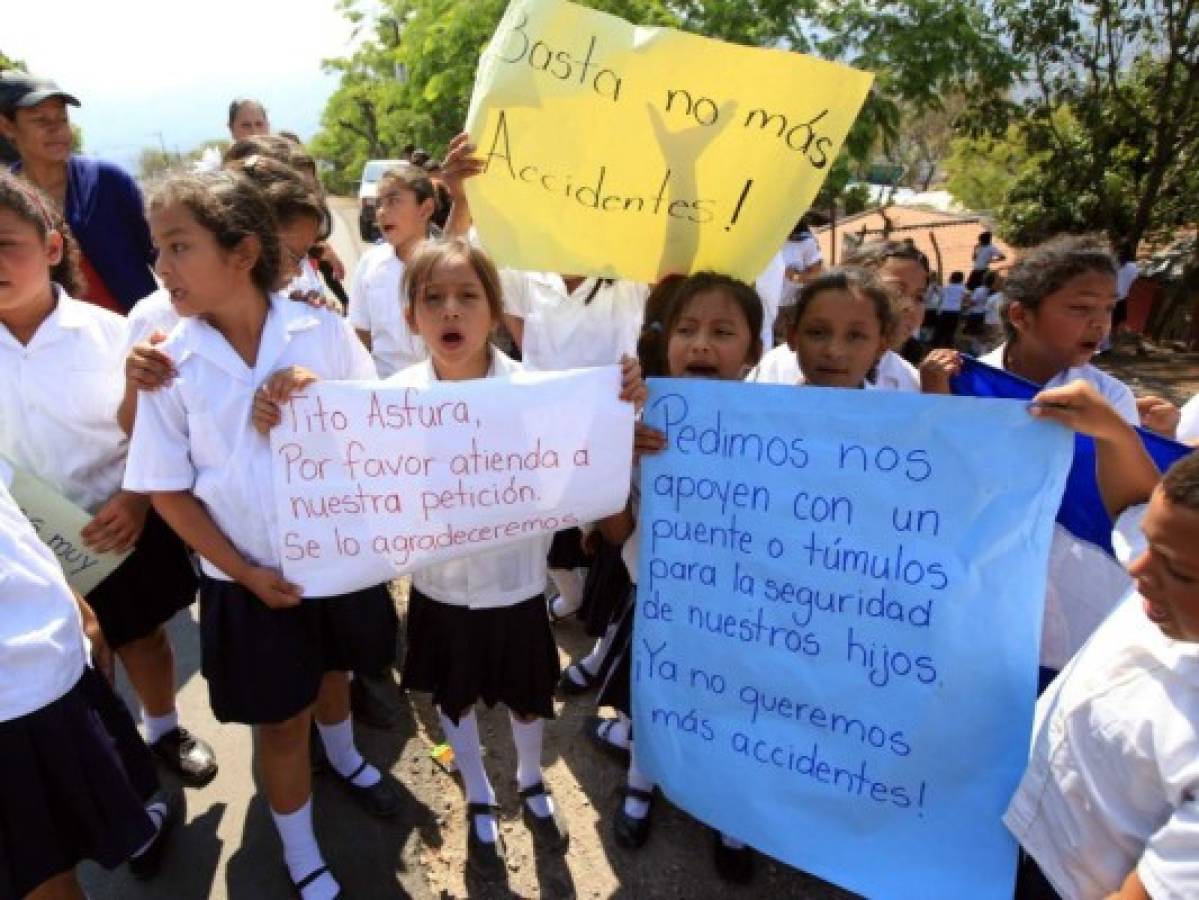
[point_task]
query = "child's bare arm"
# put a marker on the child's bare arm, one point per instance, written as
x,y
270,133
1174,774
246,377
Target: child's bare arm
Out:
x,y
1131,889
1126,473
190,520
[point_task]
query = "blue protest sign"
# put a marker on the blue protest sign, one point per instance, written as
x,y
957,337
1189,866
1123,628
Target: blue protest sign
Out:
x,y
837,625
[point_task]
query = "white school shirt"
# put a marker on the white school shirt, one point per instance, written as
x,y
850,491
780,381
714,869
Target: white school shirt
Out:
x,y
1112,783
377,306
494,578
951,297
1188,425
978,300
994,315
42,647
59,397
561,332
1084,583
984,255
195,434
152,313
781,366
1125,276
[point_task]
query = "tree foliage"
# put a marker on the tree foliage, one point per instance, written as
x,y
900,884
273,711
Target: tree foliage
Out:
x,y
1111,106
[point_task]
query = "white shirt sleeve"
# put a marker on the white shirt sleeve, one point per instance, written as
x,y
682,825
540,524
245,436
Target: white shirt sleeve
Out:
x,y
159,450
360,308
1120,396
356,363
515,288
1169,867
1188,425
809,253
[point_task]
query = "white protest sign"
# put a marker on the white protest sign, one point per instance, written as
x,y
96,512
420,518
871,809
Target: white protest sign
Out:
x,y
373,480
58,523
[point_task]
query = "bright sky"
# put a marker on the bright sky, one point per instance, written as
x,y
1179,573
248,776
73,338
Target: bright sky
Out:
x,y
141,67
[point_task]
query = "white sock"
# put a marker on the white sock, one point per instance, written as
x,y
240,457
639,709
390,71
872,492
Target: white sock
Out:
x,y
468,754
344,756
157,726
527,737
634,807
570,591
300,852
731,842
156,809
595,659
617,733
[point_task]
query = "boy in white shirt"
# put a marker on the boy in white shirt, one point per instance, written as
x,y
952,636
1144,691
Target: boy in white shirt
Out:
x,y
1109,804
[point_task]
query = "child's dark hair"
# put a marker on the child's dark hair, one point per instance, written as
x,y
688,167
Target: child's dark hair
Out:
x,y
288,193
651,343
1180,485
741,293
1046,268
957,277
984,237
855,280
236,105
430,254
409,177
874,254
34,207
232,209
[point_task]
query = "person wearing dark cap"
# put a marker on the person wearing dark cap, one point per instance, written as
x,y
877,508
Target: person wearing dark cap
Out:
x,y
101,202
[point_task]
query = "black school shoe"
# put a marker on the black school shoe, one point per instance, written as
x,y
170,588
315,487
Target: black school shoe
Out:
x,y
485,861
632,833
733,866
597,729
568,687
147,864
297,887
188,756
380,799
549,831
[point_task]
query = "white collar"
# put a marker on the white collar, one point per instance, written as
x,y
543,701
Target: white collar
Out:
x,y
284,318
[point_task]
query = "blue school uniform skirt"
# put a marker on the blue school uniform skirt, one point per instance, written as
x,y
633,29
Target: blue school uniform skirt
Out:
x,y
501,654
566,550
616,690
74,780
265,665
153,583
606,589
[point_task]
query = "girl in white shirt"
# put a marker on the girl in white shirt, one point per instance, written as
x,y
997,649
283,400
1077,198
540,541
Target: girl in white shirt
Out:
x,y
272,658
478,628
60,385
299,214
1058,301
712,329
75,773
405,206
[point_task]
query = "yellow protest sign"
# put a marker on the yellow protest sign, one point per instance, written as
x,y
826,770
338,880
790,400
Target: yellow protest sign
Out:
x,y
619,151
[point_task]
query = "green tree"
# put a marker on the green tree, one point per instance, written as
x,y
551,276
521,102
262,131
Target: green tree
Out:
x,y
1111,103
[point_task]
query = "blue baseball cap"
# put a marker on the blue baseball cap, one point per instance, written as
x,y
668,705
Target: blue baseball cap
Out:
x,y
20,90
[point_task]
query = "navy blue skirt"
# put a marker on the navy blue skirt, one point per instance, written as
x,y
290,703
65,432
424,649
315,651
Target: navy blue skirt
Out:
x,y
566,550
503,655
606,589
616,690
265,665
73,785
153,583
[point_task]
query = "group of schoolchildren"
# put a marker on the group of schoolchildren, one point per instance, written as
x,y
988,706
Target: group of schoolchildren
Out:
x,y
156,425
